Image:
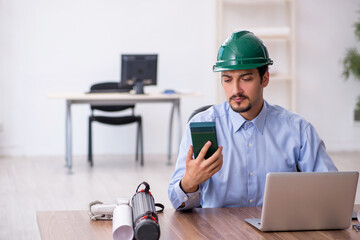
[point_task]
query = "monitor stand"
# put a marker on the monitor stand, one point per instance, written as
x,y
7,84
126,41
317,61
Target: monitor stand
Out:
x,y
139,87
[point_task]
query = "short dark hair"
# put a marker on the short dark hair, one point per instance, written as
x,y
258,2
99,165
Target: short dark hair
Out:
x,y
262,70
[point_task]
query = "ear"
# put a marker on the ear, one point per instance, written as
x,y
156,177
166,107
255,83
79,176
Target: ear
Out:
x,y
265,81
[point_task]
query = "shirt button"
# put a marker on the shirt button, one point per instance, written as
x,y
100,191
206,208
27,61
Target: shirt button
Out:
x,y
250,144
251,173
250,200
185,198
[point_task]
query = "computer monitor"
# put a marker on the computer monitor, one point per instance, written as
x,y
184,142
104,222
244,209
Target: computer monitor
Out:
x,y
138,70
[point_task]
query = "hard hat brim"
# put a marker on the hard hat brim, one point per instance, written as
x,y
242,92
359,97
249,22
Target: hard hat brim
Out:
x,y
238,67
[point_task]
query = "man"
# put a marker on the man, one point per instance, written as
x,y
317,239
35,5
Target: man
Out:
x,y
254,137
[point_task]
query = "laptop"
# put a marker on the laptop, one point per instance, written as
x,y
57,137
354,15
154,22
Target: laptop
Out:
x,y
295,201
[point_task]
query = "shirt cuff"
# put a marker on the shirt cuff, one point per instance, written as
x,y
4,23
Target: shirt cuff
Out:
x,y
191,200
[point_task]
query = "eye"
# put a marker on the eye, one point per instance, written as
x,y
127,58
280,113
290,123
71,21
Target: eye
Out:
x,y
226,80
247,79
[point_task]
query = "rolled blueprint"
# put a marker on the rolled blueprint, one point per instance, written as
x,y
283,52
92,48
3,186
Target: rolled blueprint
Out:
x,y
122,223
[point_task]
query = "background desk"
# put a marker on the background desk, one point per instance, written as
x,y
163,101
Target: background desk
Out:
x,y
205,223
119,99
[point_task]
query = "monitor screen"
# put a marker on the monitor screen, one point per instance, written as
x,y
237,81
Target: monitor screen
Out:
x,y
138,70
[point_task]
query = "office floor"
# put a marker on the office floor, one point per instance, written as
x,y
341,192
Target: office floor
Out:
x,y
35,184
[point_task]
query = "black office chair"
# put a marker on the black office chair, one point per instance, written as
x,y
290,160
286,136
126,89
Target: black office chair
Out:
x,y
114,120
196,111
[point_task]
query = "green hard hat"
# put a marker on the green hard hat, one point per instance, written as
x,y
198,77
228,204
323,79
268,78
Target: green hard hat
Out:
x,y
243,50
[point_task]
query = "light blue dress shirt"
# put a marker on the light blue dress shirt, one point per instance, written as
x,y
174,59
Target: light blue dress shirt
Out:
x,y
275,141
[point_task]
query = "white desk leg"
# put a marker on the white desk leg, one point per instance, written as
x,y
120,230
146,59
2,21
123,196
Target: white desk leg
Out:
x,y
176,105
179,125
170,132
68,137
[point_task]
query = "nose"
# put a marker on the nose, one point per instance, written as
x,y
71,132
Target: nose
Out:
x,y
236,88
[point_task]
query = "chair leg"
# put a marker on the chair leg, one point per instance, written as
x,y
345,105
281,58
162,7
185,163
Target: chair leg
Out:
x,y
90,155
137,142
141,145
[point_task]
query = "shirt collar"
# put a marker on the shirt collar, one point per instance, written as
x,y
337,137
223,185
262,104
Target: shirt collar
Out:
x,y
238,121
259,121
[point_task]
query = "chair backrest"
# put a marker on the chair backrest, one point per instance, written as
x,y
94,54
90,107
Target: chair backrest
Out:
x,y
196,111
104,86
108,86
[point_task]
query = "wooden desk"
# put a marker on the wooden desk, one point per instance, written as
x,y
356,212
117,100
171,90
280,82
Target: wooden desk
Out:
x,y
119,99
206,223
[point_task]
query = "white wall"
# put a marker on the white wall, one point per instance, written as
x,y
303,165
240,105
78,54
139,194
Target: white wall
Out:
x,y
324,32
59,46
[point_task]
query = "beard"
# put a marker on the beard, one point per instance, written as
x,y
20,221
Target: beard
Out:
x,y
242,106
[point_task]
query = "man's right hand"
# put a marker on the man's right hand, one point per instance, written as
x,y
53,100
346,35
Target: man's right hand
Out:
x,y
200,170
